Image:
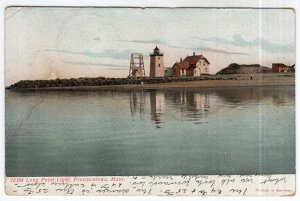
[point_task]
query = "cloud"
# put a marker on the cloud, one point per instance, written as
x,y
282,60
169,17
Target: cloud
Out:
x,y
239,41
207,49
218,51
108,53
116,69
155,42
81,63
160,42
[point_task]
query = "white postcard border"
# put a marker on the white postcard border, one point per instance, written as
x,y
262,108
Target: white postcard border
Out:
x,y
155,3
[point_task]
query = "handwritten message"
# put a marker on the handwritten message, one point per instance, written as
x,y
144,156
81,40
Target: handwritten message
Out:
x,y
200,185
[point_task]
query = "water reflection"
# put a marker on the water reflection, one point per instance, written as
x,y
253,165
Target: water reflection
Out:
x,y
150,132
137,102
157,105
243,95
195,104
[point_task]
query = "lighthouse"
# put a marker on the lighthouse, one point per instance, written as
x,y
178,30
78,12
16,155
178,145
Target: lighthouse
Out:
x,y
157,63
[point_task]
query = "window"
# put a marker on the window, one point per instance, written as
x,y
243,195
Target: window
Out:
x,y
182,71
158,65
158,57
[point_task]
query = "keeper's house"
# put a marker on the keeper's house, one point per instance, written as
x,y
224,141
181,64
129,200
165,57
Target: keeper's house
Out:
x,y
195,65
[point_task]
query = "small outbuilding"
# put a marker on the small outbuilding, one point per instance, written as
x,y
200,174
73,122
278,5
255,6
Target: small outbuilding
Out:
x,y
180,69
279,67
168,72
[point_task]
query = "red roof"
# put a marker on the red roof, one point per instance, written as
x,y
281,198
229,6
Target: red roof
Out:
x,y
192,60
182,65
279,64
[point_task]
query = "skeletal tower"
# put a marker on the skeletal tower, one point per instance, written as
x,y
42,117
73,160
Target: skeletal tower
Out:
x,y
136,65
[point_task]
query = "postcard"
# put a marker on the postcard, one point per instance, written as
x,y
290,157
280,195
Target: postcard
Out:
x,y
150,101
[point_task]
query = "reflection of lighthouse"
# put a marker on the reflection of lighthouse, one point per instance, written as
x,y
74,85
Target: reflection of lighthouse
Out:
x,y
157,101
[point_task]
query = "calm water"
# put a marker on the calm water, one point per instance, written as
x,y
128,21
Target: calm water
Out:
x,y
150,132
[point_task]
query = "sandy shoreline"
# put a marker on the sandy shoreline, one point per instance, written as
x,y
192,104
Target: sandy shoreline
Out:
x,y
190,84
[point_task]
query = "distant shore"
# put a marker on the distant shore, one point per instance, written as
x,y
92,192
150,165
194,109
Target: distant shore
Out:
x,y
238,80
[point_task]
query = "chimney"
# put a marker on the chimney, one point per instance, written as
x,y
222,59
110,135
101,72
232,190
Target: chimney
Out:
x,y
180,59
194,54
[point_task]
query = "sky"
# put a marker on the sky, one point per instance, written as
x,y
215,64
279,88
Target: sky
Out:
x,y
61,42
